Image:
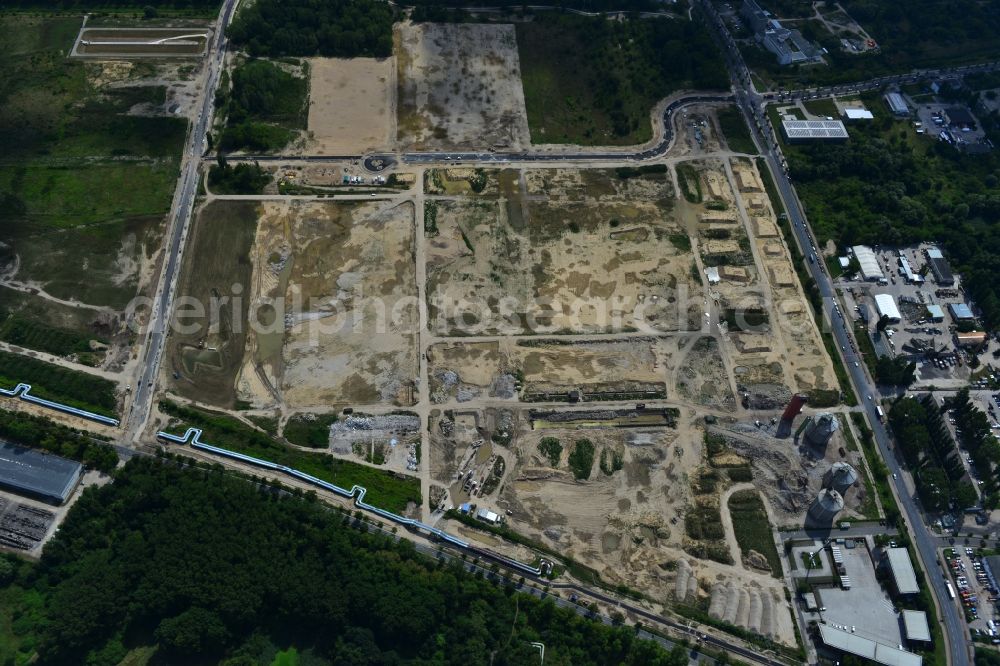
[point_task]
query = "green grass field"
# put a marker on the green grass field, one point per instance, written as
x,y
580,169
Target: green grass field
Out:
x,y
752,529
85,185
734,128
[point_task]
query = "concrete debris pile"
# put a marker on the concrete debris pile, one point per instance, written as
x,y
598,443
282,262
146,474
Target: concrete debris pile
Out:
x,y
364,428
778,475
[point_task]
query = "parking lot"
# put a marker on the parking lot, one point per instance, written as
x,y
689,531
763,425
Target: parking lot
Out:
x,y
972,586
934,121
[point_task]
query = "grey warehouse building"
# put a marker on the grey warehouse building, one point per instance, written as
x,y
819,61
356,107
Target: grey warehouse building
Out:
x,y
37,475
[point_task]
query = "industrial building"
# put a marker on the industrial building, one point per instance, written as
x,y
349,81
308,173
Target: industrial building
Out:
x,y
935,313
885,305
897,104
38,475
789,46
850,643
809,130
871,271
915,624
901,568
961,312
488,516
960,117
858,114
940,268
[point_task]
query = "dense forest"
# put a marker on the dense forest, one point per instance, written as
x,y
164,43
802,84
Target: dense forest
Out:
x,y
334,28
264,106
889,185
594,81
210,568
244,178
923,439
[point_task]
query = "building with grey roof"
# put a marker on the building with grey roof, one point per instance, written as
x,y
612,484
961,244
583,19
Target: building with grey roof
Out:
x,y
38,475
915,623
939,267
845,641
788,46
901,568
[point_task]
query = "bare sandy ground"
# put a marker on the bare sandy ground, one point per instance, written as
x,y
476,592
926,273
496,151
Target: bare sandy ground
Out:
x,y
352,107
459,86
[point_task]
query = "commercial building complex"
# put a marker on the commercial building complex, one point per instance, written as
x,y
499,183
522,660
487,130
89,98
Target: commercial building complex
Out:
x,y
789,46
37,475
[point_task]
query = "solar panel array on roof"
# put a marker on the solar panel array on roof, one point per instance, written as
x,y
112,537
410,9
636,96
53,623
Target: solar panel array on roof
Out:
x,y
814,129
36,474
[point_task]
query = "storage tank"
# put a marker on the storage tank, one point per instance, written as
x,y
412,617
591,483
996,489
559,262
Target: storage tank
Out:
x,y
840,477
820,430
825,508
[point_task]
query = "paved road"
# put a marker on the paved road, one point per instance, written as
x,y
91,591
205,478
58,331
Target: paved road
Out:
x,y
751,104
160,315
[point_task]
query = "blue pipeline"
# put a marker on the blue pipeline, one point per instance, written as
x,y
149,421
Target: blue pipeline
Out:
x,y
22,391
357,493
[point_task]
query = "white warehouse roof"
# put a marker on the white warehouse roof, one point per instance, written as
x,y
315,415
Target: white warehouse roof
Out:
x,y
916,625
858,114
885,304
902,570
870,269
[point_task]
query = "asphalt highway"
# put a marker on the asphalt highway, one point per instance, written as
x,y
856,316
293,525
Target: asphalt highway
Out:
x,y
750,103
159,317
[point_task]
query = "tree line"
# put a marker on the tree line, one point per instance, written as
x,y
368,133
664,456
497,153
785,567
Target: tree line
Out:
x,y
212,568
928,448
42,433
977,438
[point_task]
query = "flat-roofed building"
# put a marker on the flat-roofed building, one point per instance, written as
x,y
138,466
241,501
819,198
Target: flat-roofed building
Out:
x,y
871,271
37,474
935,312
901,568
885,304
915,624
814,130
858,114
970,339
880,653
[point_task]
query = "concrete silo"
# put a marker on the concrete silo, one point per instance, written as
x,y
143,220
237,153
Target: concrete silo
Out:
x,y
840,477
825,508
821,429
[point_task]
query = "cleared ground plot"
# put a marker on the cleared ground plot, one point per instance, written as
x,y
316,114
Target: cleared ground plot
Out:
x,y
561,251
351,106
333,290
459,86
